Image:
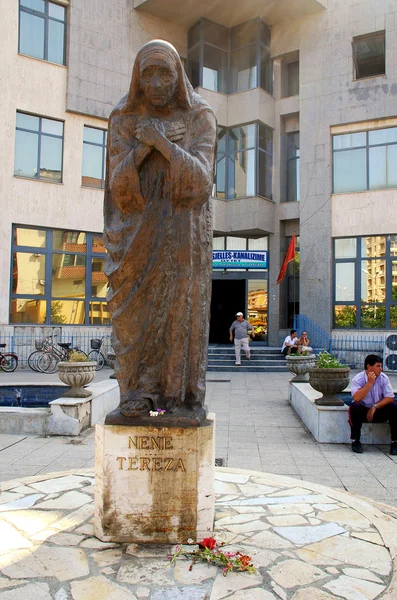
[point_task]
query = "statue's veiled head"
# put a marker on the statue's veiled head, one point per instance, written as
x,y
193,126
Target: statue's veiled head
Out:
x,y
158,78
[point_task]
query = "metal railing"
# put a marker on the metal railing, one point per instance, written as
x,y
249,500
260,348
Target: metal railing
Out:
x,y
319,338
23,344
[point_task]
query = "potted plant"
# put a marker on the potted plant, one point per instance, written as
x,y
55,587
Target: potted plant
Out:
x,y
329,377
299,365
76,372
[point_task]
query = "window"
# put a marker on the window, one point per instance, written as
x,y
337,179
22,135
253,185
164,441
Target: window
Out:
x,y
230,60
365,160
293,158
369,55
58,277
244,161
365,282
38,148
293,78
289,286
42,30
94,157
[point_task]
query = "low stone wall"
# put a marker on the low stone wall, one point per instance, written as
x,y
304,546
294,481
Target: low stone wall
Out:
x,y
64,416
329,424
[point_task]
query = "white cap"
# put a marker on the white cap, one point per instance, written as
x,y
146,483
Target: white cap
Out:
x,y
239,314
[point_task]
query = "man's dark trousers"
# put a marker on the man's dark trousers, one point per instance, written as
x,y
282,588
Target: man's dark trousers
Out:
x,y
358,416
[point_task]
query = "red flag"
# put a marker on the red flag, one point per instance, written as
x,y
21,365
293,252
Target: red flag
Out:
x,y
290,255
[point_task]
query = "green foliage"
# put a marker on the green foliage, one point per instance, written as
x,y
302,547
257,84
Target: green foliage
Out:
x,y
345,316
326,360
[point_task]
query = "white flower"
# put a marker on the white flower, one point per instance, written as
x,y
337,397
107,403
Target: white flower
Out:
x,y
190,541
153,413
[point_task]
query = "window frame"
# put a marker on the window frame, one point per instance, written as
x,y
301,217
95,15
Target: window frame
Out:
x,y
104,149
229,154
293,135
357,303
365,147
40,134
46,17
359,38
48,251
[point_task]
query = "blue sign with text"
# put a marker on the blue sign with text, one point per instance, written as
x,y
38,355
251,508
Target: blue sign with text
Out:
x,y
239,259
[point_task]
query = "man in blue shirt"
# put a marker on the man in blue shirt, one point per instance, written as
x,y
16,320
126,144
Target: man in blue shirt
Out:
x,y
373,402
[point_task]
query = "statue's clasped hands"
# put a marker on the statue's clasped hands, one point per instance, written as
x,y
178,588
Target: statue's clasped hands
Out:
x,y
150,132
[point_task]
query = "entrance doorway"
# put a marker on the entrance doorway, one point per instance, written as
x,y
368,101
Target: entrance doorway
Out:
x,y
228,298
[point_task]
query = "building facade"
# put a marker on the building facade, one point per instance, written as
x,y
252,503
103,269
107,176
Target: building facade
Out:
x,y
305,94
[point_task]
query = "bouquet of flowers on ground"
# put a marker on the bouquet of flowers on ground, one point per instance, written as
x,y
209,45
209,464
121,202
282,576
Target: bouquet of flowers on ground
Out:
x,y
211,551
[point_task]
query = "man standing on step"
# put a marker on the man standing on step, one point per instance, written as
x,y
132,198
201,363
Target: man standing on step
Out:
x,y
373,402
241,327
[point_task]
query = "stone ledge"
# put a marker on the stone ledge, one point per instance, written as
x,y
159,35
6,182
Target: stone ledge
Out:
x,y
329,424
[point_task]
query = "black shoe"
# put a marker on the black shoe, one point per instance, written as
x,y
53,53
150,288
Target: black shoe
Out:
x,y
393,448
357,447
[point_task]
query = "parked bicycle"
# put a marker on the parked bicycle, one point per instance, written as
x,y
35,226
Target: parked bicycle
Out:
x,y
96,354
8,361
47,355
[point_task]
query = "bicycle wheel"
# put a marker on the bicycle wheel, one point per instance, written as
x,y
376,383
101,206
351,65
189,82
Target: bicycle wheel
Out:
x,y
47,362
9,363
98,357
32,361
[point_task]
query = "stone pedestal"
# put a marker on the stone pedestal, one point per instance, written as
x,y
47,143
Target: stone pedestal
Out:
x,y
154,484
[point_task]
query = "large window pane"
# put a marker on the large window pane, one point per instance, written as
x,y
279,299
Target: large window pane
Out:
x,y
30,122
221,177
56,42
394,281
29,237
68,312
393,245
265,175
27,311
243,69
257,308
68,276
56,12
99,282
373,317
236,243
244,34
193,66
194,35
293,78
257,243
382,167
72,241
52,127
51,159
346,248
28,273
98,244
382,136
265,138
99,313
26,154
92,165
93,135
293,180
218,243
373,246
349,140
350,171
215,34
266,70
242,177
31,35
393,317
345,316
34,4
344,282
214,69
373,277
242,138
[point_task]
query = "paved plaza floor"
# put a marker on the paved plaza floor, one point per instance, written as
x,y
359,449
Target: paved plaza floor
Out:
x,y
256,428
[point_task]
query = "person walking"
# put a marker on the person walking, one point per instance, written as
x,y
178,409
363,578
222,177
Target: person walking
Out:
x,y
240,327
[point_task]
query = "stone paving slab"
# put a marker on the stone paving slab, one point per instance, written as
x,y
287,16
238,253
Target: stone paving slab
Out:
x,y
308,542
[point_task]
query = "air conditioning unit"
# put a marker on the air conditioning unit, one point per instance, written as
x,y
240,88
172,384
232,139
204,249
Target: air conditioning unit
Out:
x,y
390,353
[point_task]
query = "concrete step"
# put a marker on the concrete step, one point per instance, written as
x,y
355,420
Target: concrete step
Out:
x,y
248,369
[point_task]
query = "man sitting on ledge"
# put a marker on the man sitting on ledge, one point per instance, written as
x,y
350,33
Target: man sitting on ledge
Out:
x,y
373,402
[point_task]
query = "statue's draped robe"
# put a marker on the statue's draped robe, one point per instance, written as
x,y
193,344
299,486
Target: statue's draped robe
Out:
x,y
158,233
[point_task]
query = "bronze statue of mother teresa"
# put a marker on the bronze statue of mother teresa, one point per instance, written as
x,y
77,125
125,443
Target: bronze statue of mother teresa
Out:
x,y
158,234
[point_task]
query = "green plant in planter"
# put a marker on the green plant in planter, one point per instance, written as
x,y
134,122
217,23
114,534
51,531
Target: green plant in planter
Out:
x,y
77,357
326,360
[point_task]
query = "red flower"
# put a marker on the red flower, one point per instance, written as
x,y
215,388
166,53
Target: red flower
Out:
x,y
209,543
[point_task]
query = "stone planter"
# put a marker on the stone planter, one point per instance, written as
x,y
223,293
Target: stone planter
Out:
x,y
329,382
299,366
77,375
